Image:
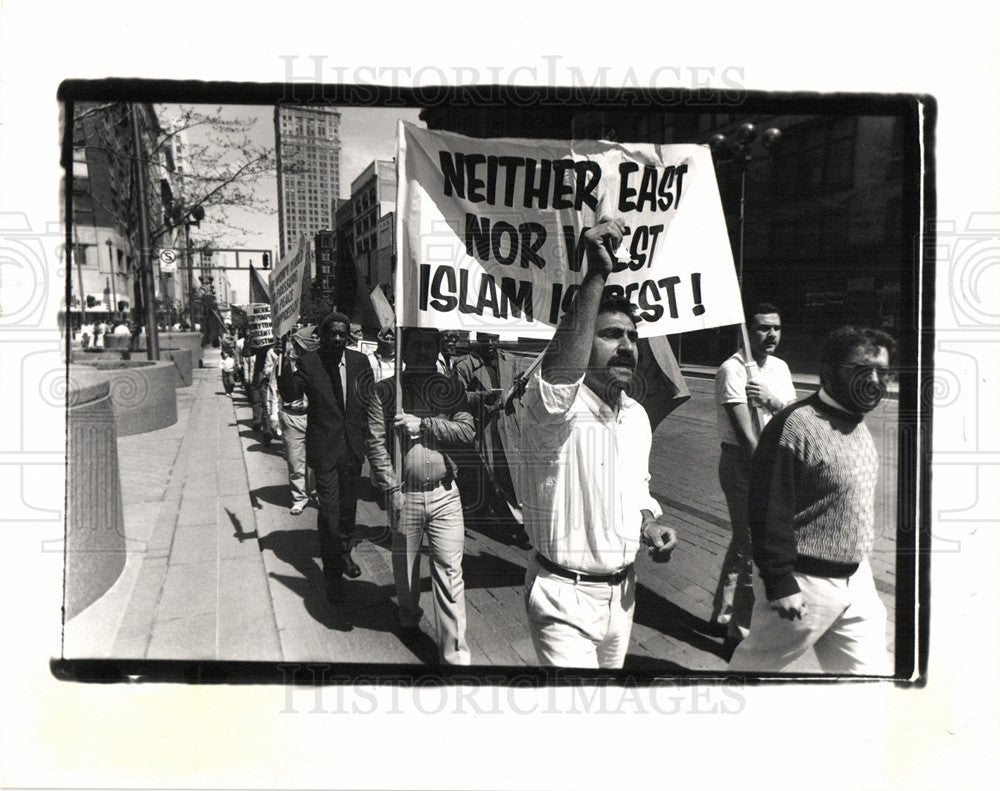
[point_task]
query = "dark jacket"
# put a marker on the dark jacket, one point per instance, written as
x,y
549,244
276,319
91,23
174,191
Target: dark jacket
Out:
x,y
439,400
334,435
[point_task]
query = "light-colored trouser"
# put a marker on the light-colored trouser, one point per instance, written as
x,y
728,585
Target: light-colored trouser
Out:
x,y
844,622
293,433
437,512
734,593
578,624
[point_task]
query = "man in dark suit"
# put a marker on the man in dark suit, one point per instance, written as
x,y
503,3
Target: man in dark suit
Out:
x,y
337,381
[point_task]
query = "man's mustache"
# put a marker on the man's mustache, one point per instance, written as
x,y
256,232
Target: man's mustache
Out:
x,y
624,359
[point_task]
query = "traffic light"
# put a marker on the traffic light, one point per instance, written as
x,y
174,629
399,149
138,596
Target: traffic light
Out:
x,y
267,260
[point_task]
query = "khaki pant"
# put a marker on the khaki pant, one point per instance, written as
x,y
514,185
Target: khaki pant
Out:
x,y
844,622
293,435
578,624
438,513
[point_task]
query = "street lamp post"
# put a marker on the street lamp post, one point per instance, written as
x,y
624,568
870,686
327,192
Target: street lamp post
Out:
x,y
197,214
739,149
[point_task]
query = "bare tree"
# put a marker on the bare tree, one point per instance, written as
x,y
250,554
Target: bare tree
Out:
x,y
218,166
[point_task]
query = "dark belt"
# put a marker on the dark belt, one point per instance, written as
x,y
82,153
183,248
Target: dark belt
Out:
x,y
430,486
615,578
815,567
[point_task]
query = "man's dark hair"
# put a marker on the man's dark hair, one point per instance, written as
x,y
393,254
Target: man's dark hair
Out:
x,y
616,303
334,318
838,344
412,334
761,308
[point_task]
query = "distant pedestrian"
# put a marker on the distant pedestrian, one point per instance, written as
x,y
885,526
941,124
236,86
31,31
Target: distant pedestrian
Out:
x,y
338,383
423,498
383,359
485,475
448,352
257,392
737,392
228,366
356,336
287,407
812,520
585,477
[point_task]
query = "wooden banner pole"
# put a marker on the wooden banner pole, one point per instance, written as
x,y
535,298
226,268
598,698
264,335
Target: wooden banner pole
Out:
x,y
752,370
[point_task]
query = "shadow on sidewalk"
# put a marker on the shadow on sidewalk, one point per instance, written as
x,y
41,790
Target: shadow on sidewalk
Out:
x,y
651,665
273,495
298,548
366,604
314,600
655,612
240,534
490,571
379,535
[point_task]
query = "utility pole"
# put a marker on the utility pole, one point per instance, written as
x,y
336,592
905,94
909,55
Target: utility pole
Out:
x,y
190,271
145,261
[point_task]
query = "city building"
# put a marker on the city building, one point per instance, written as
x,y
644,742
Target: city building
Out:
x,y
324,266
307,141
105,280
213,279
345,286
373,199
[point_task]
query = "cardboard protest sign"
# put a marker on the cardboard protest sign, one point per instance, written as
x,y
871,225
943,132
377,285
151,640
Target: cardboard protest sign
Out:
x,y
285,285
490,232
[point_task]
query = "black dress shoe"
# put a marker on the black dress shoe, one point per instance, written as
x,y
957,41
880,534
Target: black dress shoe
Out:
x,y
351,569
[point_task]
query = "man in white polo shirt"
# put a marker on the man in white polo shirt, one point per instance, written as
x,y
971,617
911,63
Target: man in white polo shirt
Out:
x,y
584,456
768,388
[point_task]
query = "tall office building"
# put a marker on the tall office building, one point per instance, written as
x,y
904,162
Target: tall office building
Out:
x,y
373,200
307,140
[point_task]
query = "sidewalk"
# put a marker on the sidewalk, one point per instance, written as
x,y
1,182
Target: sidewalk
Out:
x,y
194,585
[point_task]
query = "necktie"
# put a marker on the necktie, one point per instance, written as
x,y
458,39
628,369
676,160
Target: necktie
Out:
x,y
338,386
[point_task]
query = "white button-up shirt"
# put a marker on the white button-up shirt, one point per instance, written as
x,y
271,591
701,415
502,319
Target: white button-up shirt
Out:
x,y
584,476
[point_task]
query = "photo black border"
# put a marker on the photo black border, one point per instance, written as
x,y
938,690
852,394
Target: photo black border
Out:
x,y
915,343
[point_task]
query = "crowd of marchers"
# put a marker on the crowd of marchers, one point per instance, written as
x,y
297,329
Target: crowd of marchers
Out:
x,y
557,451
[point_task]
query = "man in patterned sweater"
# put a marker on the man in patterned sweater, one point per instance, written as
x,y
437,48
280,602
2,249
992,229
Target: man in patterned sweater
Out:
x,y
811,509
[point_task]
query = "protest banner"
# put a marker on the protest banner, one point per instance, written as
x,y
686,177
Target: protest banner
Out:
x,y
285,286
490,232
259,334
382,308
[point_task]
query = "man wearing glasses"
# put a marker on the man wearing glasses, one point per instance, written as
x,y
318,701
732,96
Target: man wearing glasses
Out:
x,y
812,520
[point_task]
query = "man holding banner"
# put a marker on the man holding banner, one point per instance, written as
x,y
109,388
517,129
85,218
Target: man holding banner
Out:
x,y
768,389
585,452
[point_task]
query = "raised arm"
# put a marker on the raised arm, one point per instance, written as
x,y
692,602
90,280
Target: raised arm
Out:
x,y
565,360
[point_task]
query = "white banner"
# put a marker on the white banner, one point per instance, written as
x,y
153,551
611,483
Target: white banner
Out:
x,y
285,286
490,232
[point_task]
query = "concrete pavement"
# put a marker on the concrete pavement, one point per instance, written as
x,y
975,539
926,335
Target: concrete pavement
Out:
x,y
218,567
